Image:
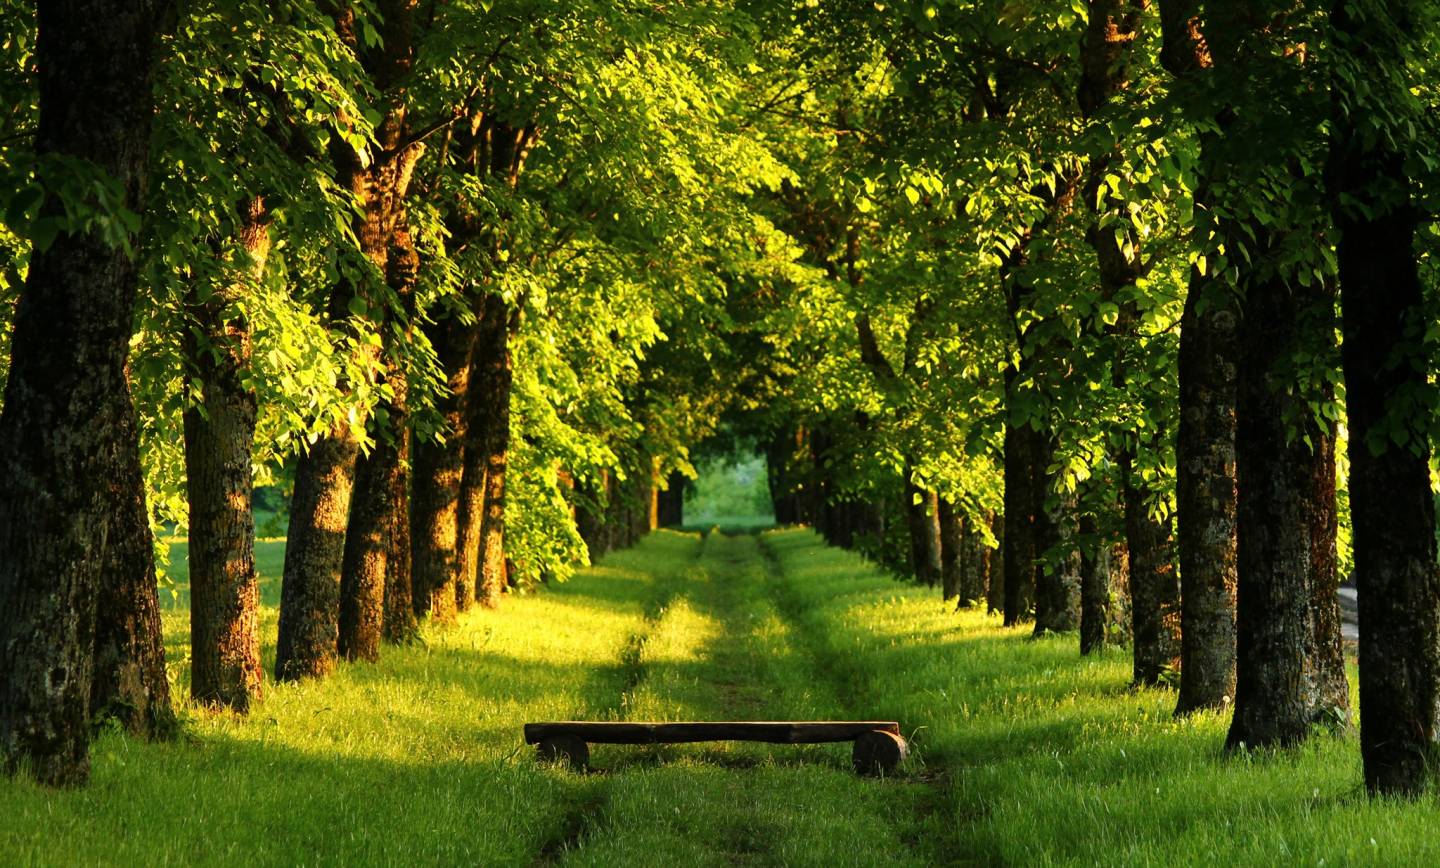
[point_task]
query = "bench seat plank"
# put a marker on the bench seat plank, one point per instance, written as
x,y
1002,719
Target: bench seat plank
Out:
x,y
676,732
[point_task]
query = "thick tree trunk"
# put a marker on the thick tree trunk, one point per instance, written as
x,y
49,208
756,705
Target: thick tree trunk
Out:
x,y
1019,550
1154,587
367,554
1391,503
400,626
1386,361
314,555
952,555
325,478
1205,446
225,668
494,397
1205,497
1285,511
377,540
488,360
129,683
1057,580
435,501
66,435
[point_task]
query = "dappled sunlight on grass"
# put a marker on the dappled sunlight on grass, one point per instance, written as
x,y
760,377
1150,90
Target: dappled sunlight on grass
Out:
x,y
1023,751
1048,757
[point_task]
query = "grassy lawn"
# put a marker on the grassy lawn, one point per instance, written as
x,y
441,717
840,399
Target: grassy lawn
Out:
x,y
1022,752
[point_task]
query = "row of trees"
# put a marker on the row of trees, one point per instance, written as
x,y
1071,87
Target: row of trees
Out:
x,y
1075,343
1042,302
455,268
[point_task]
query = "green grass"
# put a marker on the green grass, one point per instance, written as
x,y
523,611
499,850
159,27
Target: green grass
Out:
x,y
1024,753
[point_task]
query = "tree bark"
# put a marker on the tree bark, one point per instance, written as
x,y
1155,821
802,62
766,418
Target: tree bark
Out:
x,y
67,436
1094,587
325,477
493,399
1205,461
487,359
995,592
590,514
1386,362
920,525
1154,587
380,512
975,571
1020,509
225,668
400,626
1057,579
435,501
130,684
1285,510
367,554
952,562
314,556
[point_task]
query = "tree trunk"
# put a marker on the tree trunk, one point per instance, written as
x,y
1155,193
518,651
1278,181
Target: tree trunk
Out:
x,y
975,565
921,527
439,466
951,549
314,556
400,627
1386,361
129,683
590,515
66,431
1154,587
325,478
1205,446
367,555
225,668
380,512
995,592
1094,587
486,362
1057,580
1285,511
1205,497
1019,550
493,399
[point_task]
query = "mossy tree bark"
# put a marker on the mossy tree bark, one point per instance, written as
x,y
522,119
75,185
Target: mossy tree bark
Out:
x,y
67,432
225,668
439,467
1289,673
130,684
496,398
1205,463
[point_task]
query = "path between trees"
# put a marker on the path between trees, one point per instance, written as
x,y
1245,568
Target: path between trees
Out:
x,y
717,645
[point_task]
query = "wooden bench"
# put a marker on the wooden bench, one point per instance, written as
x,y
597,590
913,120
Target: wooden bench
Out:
x,y
879,747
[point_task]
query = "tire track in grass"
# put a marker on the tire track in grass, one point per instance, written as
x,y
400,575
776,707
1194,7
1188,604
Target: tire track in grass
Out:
x,y
858,699
726,651
581,815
